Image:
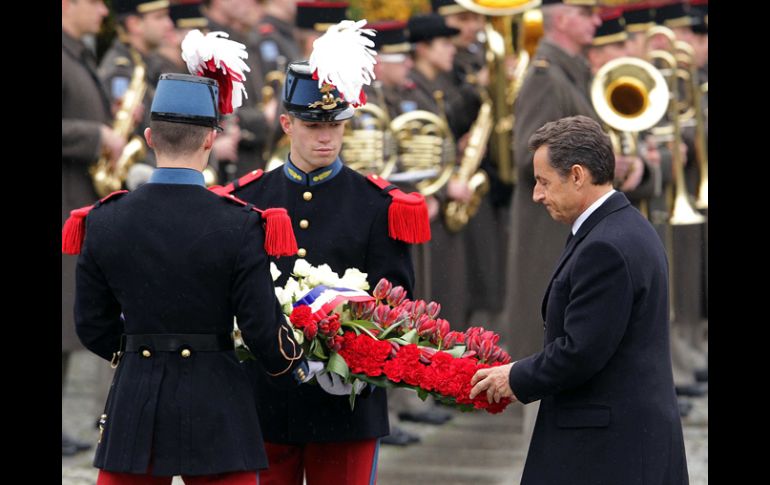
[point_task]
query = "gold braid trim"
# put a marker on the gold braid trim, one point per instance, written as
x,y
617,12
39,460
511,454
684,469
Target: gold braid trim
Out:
x,y
294,351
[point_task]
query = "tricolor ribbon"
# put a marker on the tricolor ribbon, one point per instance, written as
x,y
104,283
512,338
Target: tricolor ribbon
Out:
x,y
322,299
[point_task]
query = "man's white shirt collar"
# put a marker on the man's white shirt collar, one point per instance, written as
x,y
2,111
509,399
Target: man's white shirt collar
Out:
x,y
586,213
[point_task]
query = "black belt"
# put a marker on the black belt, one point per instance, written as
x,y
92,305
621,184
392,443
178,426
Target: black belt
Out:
x,y
173,342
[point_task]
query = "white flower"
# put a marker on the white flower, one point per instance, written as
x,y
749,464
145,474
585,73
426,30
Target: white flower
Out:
x,y
274,271
292,290
301,268
322,275
354,279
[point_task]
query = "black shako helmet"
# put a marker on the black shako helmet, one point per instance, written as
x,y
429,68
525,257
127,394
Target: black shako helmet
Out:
x,y
304,99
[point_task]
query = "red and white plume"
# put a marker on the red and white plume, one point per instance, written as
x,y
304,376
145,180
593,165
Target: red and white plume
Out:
x,y
342,57
217,57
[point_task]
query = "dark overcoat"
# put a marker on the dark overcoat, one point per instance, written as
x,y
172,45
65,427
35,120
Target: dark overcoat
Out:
x,y
178,259
608,412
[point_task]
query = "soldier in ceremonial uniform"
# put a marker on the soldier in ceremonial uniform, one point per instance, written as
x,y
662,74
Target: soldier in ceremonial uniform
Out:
x,y
86,134
161,274
341,219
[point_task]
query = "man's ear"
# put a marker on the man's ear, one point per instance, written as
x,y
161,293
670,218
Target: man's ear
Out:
x,y
208,142
148,137
286,123
578,175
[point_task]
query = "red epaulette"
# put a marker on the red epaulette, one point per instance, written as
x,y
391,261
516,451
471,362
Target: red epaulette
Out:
x,y
266,28
407,215
74,231
236,184
279,235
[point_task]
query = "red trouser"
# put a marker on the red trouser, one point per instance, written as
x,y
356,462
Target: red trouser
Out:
x,y
344,463
234,478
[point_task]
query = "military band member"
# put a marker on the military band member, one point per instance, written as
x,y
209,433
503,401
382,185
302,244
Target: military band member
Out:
x,y
609,43
392,68
256,117
142,25
556,85
470,59
86,134
277,43
161,274
686,241
341,219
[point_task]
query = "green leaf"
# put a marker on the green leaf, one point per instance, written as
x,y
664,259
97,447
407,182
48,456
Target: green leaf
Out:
x,y
352,398
243,353
338,365
358,328
456,351
364,323
409,337
387,331
379,381
319,350
422,394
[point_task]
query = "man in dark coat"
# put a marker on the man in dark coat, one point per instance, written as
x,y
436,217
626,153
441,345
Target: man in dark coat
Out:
x,y
341,219
85,134
608,411
162,272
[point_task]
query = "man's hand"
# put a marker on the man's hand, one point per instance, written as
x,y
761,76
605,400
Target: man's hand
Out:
x,y
112,143
459,190
493,380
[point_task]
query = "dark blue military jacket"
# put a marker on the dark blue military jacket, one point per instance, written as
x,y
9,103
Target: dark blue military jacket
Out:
x,y
340,219
178,259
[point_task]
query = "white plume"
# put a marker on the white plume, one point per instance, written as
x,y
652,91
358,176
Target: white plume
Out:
x,y
342,57
213,52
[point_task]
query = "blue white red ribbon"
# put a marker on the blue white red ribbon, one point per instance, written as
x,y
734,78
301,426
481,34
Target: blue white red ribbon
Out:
x,y
322,299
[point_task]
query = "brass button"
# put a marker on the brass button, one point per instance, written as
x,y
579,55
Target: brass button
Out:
x,y
301,374
146,353
186,353
307,195
302,252
304,223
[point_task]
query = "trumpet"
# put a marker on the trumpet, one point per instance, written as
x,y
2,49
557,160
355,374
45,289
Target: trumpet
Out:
x,y
686,55
682,212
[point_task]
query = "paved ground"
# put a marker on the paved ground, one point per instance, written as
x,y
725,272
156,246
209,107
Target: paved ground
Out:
x,y
472,449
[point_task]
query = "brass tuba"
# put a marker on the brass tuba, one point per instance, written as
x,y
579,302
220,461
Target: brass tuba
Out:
x,y
629,96
107,177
